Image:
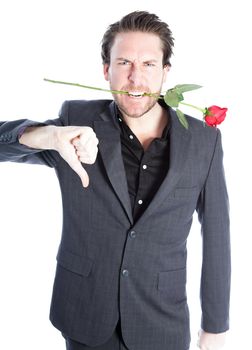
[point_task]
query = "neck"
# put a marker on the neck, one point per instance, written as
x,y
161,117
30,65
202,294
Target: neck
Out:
x,y
149,126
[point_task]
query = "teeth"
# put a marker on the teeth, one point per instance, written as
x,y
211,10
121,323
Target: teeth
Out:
x,y
136,93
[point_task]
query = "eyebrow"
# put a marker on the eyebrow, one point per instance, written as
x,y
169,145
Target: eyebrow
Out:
x,y
122,59
126,59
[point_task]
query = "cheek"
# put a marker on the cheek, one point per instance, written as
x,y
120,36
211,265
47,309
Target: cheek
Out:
x,y
155,81
116,78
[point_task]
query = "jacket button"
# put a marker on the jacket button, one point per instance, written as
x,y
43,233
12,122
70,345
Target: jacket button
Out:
x,y
132,234
125,273
5,138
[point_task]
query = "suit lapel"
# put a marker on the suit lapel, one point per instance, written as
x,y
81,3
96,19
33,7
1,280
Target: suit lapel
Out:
x,y
108,133
179,146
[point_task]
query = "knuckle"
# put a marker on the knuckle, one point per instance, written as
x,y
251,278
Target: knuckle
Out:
x,y
75,142
87,159
91,161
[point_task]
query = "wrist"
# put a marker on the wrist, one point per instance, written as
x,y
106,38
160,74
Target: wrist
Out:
x,y
38,137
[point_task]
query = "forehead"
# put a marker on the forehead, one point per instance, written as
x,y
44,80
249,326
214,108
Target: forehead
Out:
x,y
134,45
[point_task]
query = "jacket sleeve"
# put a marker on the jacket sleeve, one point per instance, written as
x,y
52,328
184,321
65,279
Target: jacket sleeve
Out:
x,y
11,150
213,212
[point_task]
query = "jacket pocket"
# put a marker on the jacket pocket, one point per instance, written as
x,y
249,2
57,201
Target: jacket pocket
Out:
x,y
80,265
172,285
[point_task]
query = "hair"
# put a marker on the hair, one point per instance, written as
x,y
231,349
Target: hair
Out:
x,y
139,21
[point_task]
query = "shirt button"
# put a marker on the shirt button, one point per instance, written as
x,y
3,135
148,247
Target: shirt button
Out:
x,y
125,273
140,201
133,234
131,137
144,166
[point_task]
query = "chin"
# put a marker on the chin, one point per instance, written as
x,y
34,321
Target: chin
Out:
x,y
135,111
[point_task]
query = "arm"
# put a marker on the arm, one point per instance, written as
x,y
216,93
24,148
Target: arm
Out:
x,y
11,150
213,211
26,141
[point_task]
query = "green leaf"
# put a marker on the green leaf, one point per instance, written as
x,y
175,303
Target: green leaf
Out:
x,y
182,118
173,97
186,87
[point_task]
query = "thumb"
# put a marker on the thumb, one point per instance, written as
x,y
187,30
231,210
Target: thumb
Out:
x,y
71,158
76,165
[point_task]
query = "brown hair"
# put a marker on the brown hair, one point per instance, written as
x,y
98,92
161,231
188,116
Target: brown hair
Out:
x,y
139,21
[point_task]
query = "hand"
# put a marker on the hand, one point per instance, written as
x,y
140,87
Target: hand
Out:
x,y
211,341
77,145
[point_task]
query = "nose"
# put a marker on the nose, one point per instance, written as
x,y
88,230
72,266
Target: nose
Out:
x,y
135,74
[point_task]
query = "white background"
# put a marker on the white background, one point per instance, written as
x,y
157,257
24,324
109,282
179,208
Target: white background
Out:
x,y
61,40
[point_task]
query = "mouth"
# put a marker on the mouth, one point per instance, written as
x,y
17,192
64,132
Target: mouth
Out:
x,y
136,94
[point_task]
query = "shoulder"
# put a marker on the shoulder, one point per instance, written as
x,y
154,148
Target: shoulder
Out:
x,y
201,132
197,129
82,111
203,139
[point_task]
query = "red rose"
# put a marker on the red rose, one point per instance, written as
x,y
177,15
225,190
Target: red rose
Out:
x,y
215,115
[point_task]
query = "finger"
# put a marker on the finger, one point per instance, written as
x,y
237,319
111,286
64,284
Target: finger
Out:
x,y
87,152
85,143
86,138
76,142
89,147
87,157
83,134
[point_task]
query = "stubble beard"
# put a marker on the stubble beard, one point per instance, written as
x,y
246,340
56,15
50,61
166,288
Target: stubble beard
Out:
x,y
126,111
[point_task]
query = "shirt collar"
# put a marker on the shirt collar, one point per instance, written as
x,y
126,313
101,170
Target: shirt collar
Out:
x,y
126,130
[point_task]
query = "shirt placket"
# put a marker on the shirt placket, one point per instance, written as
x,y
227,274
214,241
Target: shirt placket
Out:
x,y
140,202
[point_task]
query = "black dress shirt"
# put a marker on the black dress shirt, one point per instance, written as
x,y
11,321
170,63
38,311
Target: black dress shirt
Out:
x,y
145,170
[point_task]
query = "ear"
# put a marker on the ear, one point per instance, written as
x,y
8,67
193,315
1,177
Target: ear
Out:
x,y
165,72
106,71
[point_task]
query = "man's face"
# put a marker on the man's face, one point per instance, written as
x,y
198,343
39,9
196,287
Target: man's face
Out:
x,y
136,66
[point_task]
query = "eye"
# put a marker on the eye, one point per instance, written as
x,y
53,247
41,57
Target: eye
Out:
x,y
149,64
124,63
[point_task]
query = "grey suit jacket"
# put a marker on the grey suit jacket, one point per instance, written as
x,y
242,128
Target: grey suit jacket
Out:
x,y
109,266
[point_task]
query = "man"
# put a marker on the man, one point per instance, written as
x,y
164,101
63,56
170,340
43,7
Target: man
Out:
x,y
121,266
